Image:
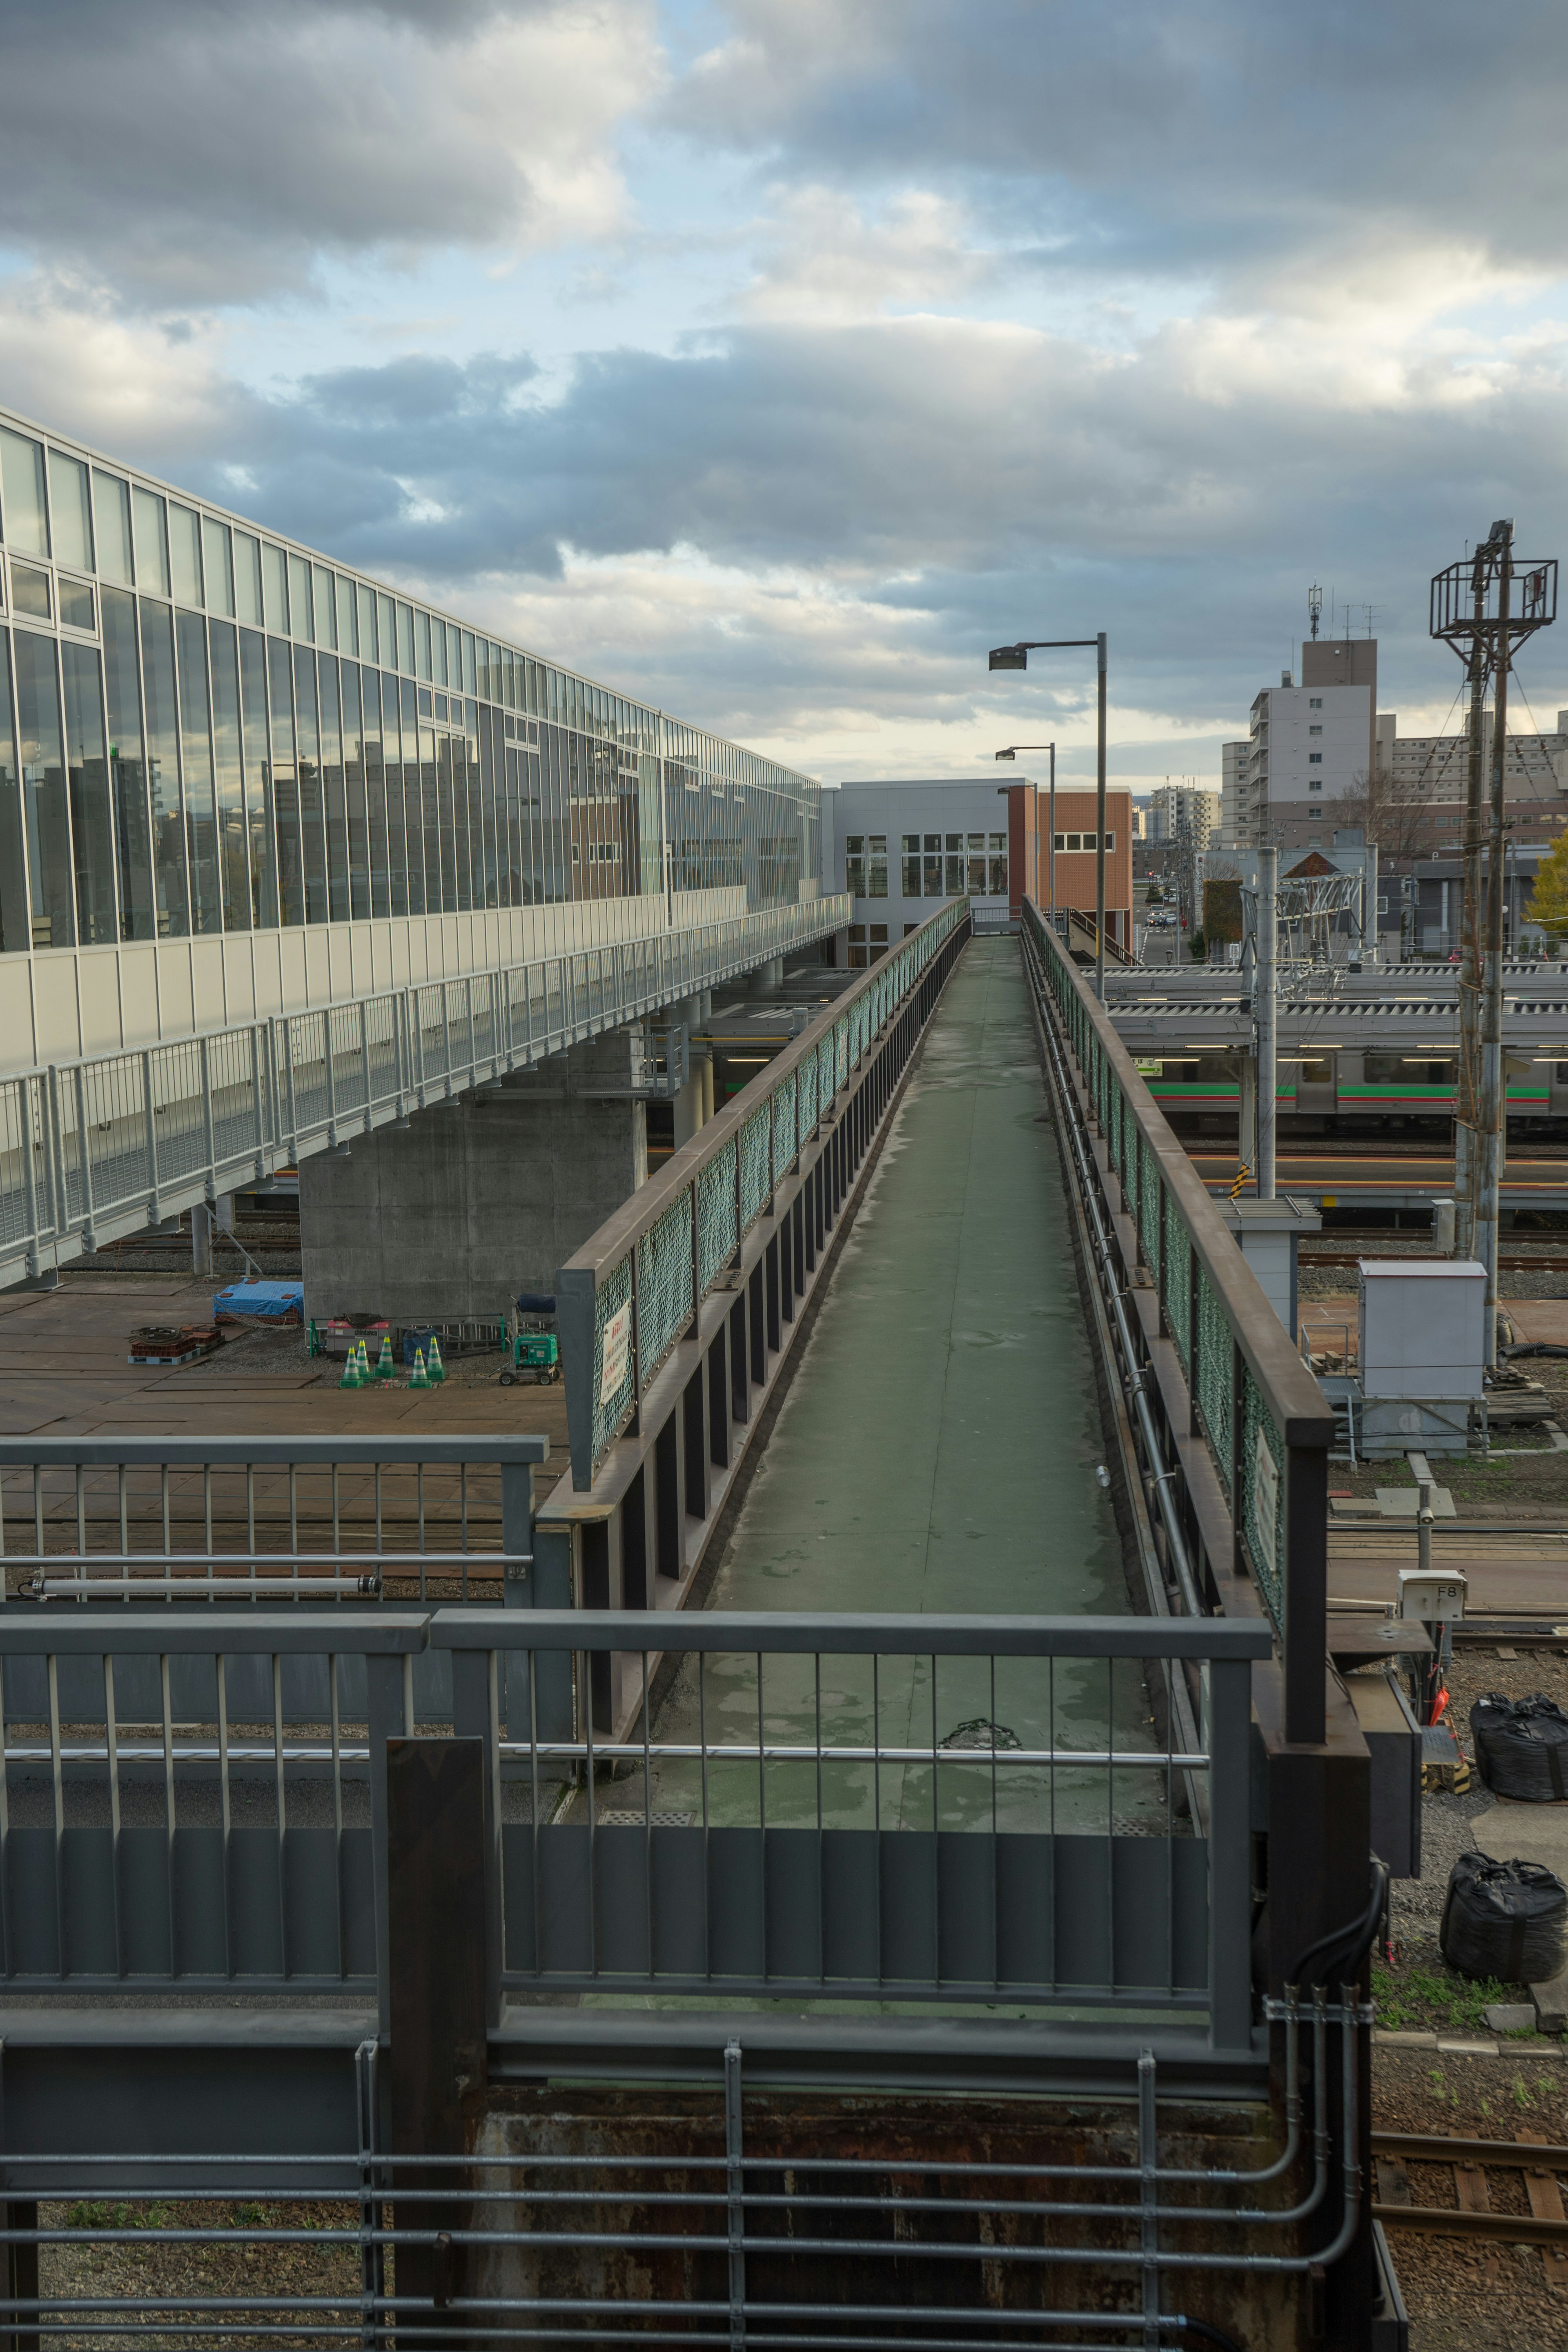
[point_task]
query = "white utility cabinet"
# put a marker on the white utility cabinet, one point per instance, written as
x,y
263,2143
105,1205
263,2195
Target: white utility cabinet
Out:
x,y
1421,1324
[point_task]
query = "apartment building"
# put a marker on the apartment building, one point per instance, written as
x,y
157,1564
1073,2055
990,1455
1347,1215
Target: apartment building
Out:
x,y
1183,813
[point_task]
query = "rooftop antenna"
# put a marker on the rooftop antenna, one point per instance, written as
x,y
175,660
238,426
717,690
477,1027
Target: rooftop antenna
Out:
x,y
1314,608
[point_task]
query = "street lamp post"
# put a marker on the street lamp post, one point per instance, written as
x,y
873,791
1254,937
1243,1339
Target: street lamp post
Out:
x,y
1018,658
1011,751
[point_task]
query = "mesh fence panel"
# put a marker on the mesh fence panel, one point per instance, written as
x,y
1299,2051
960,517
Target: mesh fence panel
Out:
x,y
716,1228
1262,1497
841,1054
827,1071
1177,1277
783,1122
807,1097
1149,1231
755,1171
663,1284
610,1412
1215,1375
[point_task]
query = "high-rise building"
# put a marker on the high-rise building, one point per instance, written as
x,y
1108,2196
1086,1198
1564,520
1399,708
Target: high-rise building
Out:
x,y
1183,813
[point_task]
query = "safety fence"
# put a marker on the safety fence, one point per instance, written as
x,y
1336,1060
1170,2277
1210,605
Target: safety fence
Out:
x,y
633,1288
264,1518
97,1147
718,2216
1259,1413
963,1809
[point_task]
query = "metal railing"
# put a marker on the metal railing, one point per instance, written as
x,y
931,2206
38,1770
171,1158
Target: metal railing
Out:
x,y
1256,1409
99,1148
632,1290
963,1809
724,2220
264,1518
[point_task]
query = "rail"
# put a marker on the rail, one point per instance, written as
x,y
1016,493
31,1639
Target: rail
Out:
x,y
99,1148
1239,1388
632,1289
296,1518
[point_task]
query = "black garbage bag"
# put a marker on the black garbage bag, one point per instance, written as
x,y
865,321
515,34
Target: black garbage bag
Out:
x,y
1507,1919
1521,1746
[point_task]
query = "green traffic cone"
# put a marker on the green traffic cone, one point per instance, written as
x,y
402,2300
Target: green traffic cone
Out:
x,y
438,1369
419,1378
384,1366
350,1379
364,1364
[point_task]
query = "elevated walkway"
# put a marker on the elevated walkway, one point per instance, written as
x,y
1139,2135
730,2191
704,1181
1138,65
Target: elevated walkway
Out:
x,y
938,1445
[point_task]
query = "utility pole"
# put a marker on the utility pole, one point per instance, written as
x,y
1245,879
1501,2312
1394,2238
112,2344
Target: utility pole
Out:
x,y
1472,610
1493,1124
1268,1009
1468,1119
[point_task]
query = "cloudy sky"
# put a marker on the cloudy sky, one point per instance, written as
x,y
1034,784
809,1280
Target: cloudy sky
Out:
x,y
773,358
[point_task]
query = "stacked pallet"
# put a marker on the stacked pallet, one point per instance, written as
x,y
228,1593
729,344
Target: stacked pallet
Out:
x,y
167,1344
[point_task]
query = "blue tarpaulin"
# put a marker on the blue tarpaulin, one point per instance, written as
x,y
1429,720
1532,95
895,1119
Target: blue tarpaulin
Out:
x,y
270,1301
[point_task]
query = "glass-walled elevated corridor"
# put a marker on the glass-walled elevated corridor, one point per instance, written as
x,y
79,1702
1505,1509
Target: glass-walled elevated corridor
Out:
x,y
208,732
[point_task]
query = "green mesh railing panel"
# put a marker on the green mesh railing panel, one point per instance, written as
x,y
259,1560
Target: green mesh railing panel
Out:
x,y
1263,1497
1215,1354
1149,1209
841,1054
807,1098
717,1232
756,1171
783,1122
610,1411
664,1286
1176,1277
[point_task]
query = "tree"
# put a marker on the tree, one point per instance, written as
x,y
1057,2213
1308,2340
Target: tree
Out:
x,y
1396,817
1549,901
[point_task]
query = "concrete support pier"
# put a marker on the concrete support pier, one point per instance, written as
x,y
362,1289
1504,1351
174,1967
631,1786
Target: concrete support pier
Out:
x,y
477,1198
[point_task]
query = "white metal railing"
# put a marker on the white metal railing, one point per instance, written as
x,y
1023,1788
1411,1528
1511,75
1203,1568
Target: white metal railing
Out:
x,y
99,1148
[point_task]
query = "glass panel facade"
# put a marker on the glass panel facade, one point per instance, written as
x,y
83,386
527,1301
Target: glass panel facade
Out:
x,y
127,766
163,769
186,554
24,509
265,739
92,828
42,752
201,800
16,930
72,510
152,541
112,513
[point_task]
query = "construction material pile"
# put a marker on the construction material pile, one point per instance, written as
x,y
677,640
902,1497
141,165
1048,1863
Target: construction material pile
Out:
x,y
174,1343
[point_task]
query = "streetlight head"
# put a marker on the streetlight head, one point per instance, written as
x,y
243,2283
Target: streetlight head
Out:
x,y
1003,755
1009,657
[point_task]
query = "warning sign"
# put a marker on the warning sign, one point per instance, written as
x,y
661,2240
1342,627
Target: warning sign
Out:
x,y
618,1347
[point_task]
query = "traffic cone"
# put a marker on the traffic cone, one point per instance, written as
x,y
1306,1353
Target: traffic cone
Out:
x,y
384,1366
350,1379
364,1364
438,1369
419,1378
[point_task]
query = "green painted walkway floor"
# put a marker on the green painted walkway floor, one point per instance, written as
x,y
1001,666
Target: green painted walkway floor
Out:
x,y
935,1451
938,1444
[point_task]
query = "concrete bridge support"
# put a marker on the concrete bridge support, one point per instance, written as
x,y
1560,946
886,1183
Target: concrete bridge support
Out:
x,y
474,1200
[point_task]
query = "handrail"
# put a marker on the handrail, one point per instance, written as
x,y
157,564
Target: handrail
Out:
x,y
100,1145
1262,1414
660,1254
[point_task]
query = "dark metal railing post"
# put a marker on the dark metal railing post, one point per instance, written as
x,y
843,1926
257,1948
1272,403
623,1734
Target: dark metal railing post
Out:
x,y
437,2054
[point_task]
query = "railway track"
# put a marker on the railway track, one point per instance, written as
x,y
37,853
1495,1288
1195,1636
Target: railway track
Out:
x,y
1467,2163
